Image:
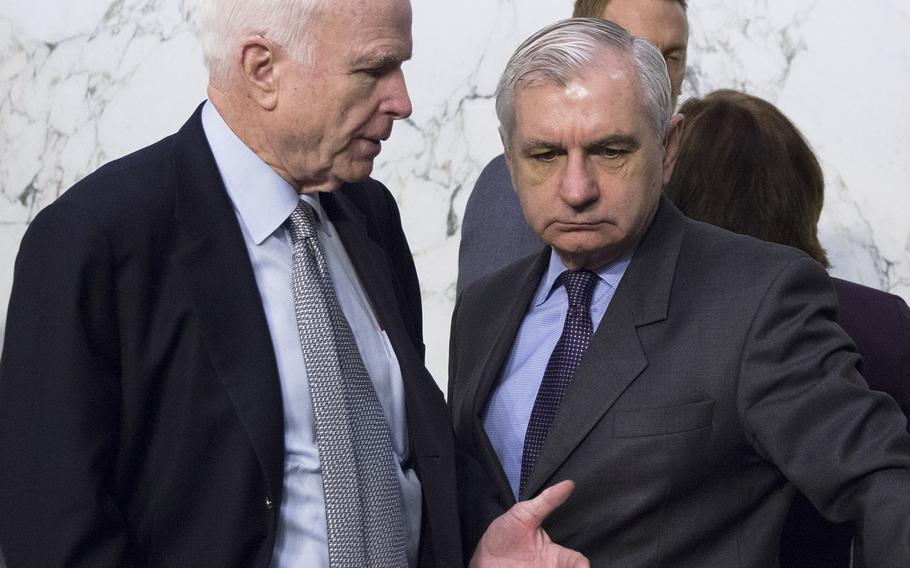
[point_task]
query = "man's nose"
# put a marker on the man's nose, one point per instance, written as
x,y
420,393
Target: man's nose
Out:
x,y
398,102
579,187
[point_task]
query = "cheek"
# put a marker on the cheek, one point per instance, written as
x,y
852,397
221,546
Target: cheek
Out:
x,y
533,206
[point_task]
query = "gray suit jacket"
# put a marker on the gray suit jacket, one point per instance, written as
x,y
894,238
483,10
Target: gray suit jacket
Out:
x,y
716,385
494,232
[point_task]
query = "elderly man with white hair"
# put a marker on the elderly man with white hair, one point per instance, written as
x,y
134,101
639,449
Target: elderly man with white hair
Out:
x,y
214,348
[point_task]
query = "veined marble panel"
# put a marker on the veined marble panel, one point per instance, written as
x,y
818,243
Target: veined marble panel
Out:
x,y
84,82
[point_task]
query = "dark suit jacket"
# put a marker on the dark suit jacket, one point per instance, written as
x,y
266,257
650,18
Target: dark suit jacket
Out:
x,y
716,384
141,416
879,324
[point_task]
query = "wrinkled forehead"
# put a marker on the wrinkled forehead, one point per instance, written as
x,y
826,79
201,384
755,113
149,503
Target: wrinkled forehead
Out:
x,y
611,73
600,99
606,60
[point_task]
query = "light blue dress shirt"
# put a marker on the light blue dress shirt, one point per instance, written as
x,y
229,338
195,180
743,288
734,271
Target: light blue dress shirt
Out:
x,y
509,409
263,201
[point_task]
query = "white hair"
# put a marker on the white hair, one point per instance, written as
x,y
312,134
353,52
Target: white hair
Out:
x,y
226,22
562,52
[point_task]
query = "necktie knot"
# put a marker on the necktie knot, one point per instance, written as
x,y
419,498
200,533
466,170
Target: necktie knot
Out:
x,y
302,222
579,287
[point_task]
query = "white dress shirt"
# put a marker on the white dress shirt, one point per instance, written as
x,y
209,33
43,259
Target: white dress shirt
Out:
x,y
263,201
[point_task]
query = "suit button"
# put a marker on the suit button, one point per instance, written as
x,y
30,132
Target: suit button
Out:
x,y
268,503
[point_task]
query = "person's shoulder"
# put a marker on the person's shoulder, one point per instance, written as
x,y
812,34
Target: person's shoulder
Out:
x,y
125,204
495,169
743,271
723,248
503,283
493,184
127,185
860,305
866,295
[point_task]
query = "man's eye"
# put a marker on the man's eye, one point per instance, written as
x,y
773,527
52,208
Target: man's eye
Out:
x,y
544,156
610,153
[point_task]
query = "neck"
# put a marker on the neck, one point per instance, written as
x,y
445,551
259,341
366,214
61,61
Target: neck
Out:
x,y
246,122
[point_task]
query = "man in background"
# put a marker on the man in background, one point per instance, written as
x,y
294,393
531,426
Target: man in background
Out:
x,y
494,233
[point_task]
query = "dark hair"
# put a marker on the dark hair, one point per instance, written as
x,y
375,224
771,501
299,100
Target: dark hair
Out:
x,y
744,166
595,8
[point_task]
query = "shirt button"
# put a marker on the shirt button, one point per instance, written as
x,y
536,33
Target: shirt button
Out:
x,y
268,503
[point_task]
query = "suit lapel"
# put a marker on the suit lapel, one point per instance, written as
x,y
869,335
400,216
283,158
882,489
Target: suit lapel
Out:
x,y
486,374
615,357
216,269
371,264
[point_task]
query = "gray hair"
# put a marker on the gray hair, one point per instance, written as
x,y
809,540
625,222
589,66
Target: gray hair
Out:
x,y
561,52
226,22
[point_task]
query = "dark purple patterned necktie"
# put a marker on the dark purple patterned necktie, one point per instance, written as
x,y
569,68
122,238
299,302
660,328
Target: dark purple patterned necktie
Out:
x,y
576,334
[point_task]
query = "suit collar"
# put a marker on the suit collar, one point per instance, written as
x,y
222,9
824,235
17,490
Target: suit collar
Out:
x,y
649,279
263,199
610,274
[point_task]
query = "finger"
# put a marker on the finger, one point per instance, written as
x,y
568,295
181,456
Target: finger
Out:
x,y
536,510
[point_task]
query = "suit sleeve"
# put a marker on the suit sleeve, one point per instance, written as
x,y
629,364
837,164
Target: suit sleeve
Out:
x,y
59,399
807,409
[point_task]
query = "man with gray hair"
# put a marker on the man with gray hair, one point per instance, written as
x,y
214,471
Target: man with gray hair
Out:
x,y
494,233
214,349
687,379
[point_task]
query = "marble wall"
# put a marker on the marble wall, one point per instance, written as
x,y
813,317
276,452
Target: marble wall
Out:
x,y
85,82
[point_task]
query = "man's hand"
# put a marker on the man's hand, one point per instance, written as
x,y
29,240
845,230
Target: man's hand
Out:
x,y
516,539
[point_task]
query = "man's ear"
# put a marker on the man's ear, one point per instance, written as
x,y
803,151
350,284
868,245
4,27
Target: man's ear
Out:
x,y
258,58
671,145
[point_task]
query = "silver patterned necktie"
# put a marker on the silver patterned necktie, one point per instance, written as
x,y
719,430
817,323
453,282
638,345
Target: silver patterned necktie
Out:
x,y
362,494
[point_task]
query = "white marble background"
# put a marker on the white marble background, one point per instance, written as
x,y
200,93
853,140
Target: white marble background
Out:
x,y
84,82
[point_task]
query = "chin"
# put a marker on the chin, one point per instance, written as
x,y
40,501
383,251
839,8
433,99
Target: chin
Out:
x,y
581,242
355,172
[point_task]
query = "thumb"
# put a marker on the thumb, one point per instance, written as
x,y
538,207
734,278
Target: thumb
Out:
x,y
535,511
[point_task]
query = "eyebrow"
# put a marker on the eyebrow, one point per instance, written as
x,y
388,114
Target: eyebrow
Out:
x,y
534,144
624,141
385,59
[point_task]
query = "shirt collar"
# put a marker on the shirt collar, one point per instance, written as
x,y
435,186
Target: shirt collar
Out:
x,y
262,198
610,273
